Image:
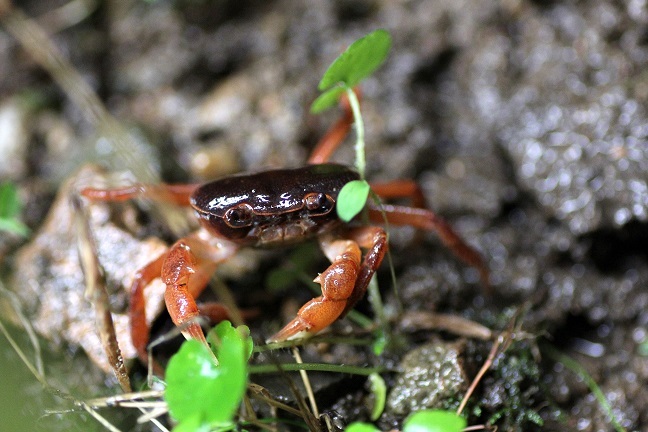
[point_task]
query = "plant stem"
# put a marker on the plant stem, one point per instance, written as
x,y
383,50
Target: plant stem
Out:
x,y
376,303
579,370
322,367
360,144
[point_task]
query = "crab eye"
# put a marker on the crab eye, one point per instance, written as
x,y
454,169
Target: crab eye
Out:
x,y
318,203
239,216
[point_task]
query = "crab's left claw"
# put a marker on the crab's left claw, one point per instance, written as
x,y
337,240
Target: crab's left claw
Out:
x,y
343,283
337,282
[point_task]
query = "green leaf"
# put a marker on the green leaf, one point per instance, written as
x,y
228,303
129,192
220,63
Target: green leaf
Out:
x,y
14,226
380,339
359,61
192,424
226,339
201,392
434,421
379,390
352,199
361,427
326,100
9,202
10,210
193,383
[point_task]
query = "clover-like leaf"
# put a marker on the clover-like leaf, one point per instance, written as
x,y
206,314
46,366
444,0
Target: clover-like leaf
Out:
x,y
379,390
359,61
352,199
434,421
226,339
201,392
326,100
361,427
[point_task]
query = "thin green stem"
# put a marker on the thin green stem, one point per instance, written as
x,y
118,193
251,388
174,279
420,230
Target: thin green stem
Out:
x,y
578,369
321,367
359,341
360,135
377,304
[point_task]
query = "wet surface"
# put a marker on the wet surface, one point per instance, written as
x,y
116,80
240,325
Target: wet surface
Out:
x,y
524,122
431,375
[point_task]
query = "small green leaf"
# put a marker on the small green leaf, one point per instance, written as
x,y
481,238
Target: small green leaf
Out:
x,y
379,390
9,202
10,210
352,199
192,383
201,392
359,61
361,427
14,226
326,100
192,424
434,421
379,342
225,337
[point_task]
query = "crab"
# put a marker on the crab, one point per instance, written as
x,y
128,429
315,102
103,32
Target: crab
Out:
x,y
272,208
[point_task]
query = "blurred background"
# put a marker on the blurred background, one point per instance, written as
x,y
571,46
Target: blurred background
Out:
x,y
524,122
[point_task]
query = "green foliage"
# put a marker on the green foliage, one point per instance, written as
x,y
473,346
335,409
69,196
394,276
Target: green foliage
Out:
x,y
379,390
582,373
421,421
201,393
359,61
326,100
352,199
380,342
434,421
10,207
361,427
225,340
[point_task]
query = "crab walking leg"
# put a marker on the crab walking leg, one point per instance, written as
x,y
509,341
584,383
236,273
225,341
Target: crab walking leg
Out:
x,y
425,219
333,137
175,194
337,281
185,269
400,189
139,327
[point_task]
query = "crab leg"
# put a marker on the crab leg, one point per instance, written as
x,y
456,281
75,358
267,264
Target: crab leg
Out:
x,y
427,220
374,239
185,269
400,189
175,194
343,283
333,137
139,327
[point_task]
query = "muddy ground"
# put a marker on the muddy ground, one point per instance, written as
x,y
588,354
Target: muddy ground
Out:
x,y
525,123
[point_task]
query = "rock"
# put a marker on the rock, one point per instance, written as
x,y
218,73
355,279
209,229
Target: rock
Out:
x,y
431,375
49,282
